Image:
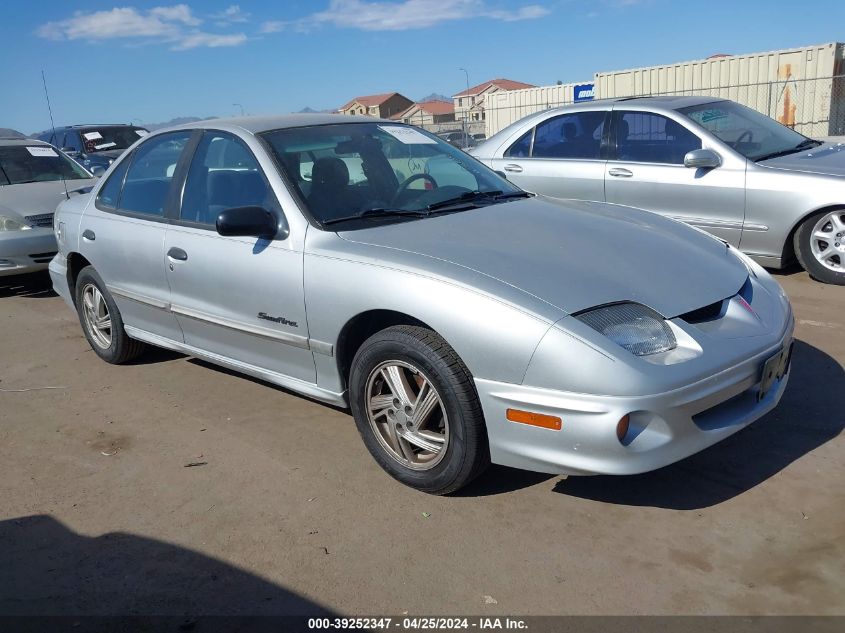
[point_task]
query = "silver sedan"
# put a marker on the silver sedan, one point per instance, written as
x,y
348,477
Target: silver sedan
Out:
x,y
717,165
369,264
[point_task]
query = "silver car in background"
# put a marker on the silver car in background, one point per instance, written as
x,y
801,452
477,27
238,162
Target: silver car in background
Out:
x,y
369,264
34,179
717,165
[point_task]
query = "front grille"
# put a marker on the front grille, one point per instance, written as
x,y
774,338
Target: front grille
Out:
x,y
707,313
42,219
42,258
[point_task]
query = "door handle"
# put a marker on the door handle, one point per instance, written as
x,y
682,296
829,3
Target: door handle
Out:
x,y
514,169
177,254
89,235
619,172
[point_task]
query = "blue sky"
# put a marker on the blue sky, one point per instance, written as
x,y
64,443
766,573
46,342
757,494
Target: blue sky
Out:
x,y
152,61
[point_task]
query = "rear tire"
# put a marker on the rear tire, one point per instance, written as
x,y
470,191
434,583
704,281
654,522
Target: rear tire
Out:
x,y
820,246
101,321
417,410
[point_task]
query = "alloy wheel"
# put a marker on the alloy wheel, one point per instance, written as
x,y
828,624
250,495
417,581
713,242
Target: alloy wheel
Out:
x,y
407,415
827,241
97,317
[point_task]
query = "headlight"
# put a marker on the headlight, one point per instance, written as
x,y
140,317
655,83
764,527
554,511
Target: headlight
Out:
x,y
11,224
638,329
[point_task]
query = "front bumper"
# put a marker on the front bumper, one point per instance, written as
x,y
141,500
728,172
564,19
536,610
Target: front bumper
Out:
x,y
665,427
26,251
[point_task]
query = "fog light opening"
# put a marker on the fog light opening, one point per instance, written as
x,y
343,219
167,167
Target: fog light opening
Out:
x,y
622,428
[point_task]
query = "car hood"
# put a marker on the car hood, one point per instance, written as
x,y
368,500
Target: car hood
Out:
x,y
826,159
574,255
34,198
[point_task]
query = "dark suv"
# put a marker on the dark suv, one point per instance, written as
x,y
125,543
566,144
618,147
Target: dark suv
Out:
x,y
95,146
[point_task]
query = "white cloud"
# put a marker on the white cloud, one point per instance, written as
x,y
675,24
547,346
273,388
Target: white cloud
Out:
x,y
232,14
174,25
368,15
209,40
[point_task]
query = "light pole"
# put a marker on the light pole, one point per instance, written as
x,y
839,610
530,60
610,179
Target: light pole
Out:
x,y
466,112
240,106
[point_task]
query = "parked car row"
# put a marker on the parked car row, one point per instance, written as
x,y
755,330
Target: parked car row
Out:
x,y
94,146
369,264
34,178
717,165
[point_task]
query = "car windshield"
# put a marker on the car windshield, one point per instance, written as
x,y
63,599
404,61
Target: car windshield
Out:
x,y
750,133
350,173
110,137
21,164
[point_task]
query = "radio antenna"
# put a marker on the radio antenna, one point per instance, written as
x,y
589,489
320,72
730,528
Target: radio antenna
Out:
x,y
53,126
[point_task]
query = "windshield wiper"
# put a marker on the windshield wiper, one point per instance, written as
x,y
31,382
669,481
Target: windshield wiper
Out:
x,y
807,143
377,213
470,198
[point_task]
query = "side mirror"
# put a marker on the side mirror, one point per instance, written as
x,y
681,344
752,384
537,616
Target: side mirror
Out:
x,y
97,170
702,159
249,222
502,174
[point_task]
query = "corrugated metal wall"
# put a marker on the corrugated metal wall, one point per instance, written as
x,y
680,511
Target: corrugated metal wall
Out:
x,y
794,86
504,107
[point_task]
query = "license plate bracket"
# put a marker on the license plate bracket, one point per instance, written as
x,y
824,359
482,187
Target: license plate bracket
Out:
x,y
774,369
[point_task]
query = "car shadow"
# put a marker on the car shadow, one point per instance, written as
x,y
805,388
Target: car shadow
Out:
x,y
498,480
48,570
31,285
805,419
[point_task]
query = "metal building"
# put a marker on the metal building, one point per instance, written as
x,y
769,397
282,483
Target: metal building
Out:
x,y
803,88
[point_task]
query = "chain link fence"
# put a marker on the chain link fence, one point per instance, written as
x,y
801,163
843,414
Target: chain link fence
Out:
x,y
814,107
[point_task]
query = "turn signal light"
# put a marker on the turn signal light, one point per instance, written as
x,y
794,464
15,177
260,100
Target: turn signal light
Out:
x,y
535,419
622,427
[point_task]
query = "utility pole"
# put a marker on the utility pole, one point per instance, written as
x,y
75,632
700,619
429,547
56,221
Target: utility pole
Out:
x,y
466,112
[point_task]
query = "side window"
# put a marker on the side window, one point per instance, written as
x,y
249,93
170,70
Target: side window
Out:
x,y
148,180
71,140
573,135
223,174
522,148
651,138
109,194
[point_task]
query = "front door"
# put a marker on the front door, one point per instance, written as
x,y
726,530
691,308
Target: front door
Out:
x,y
646,170
561,157
240,298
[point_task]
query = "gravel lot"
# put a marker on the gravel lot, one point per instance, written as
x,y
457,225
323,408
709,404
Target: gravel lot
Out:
x,y
288,513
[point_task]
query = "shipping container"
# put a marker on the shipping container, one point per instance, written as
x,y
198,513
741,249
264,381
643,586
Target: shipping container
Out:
x,y
800,87
506,106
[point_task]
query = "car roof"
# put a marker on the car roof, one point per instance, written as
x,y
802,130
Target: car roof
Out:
x,y
670,102
12,142
259,124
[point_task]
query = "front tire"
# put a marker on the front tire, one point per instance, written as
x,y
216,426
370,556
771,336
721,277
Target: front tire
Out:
x,y
820,246
101,321
417,410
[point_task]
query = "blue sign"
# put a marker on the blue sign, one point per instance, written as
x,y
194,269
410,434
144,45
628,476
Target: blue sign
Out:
x,y
585,92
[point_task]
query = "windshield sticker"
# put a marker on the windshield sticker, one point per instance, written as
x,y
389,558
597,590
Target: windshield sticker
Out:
x,y
407,135
141,132
92,136
42,151
105,145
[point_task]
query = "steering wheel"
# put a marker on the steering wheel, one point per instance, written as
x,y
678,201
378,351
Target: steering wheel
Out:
x,y
747,133
404,186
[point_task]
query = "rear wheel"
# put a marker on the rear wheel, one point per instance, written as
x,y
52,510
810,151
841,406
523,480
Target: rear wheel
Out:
x,y
417,410
101,320
820,246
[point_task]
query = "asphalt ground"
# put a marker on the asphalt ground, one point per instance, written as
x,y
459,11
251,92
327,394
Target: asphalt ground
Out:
x,y
101,511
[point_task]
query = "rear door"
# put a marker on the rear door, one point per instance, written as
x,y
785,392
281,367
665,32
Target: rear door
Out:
x,y
123,232
646,170
561,157
240,298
